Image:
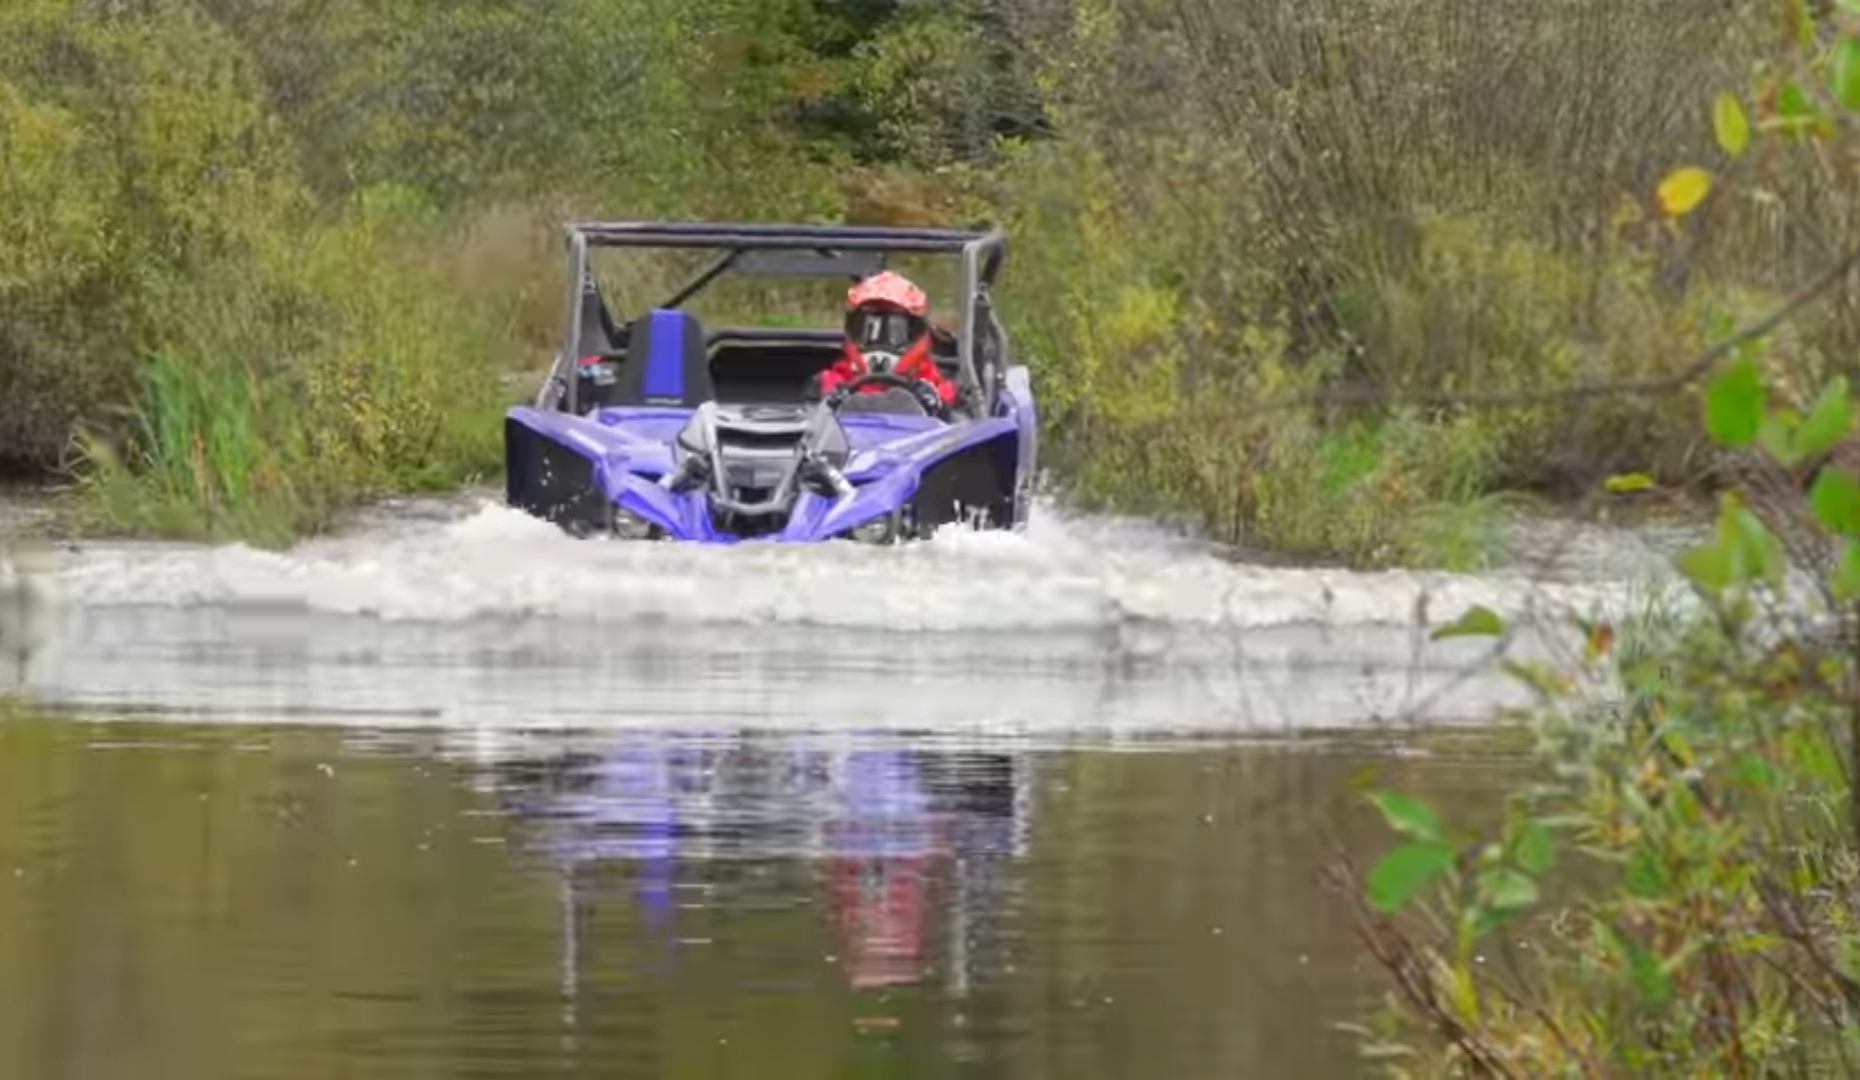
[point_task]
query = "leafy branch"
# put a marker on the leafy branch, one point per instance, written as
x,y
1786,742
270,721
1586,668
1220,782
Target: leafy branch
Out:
x,y
1715,800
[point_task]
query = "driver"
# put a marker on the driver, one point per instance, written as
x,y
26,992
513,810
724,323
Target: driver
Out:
x,y
888,332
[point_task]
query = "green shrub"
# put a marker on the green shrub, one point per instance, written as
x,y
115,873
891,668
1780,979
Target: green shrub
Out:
x,y
1685,873
343,371
134,156
1252,202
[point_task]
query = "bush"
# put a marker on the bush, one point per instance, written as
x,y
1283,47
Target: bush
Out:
x,y
134,157
343,370
260,260
1697,807
1252,203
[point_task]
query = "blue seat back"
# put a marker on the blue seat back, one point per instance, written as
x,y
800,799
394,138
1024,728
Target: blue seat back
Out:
x,y
667,362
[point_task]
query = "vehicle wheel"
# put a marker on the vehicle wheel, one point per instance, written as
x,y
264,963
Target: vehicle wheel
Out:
x,y
598,521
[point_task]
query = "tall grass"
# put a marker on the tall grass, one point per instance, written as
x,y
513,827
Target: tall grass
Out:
x,y
265,428
212,456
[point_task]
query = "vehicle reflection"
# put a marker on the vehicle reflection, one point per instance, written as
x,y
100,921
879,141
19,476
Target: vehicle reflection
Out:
x,y
906,844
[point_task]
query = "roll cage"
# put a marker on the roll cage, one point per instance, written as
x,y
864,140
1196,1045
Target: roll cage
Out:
x,y
763,250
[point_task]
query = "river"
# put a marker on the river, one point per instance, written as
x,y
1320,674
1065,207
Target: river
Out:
x,y
451,794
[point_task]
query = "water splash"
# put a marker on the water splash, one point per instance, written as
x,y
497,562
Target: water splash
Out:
x,y
1064,574
464,614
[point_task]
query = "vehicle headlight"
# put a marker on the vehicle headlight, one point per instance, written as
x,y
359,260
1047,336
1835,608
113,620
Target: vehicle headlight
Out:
x,y
876,531
698,435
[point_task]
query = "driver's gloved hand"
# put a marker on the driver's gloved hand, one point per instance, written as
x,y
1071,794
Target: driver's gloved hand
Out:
x,y
836,398
928,397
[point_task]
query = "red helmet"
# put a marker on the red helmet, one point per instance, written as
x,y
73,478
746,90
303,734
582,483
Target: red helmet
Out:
x,y
886,287
886,313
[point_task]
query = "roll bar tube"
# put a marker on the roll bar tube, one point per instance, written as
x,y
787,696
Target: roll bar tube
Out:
x,y
982,256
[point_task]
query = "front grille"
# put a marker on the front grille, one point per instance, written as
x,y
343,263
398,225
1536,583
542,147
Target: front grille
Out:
x,y
749,525
757,441
757,453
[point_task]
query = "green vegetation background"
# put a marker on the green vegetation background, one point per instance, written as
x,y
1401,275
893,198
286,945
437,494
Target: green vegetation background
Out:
x,y
259,262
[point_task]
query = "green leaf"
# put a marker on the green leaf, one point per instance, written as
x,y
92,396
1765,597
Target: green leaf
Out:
x,y
1836,500
1844,76
1846,581
1481,920
1407,815
1644,969
1650,978
1759,553
1757,771
1734,403
1405,871
1644,875
1776,435
1730,124
1479,621
1535,849
1507,890
1706,565
1827,422
1796,112
1626,482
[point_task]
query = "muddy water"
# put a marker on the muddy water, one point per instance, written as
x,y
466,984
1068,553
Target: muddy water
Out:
x,y
452,795
213,901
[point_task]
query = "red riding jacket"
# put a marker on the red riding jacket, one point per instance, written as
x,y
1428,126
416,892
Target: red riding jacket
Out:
x,y
916,363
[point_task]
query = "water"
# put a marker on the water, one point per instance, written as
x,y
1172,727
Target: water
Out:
x,y
196,902
453,795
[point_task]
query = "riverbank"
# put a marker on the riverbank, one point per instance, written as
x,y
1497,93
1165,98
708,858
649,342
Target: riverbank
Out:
x,y
314,299
436,324
222,450
273,482
317,289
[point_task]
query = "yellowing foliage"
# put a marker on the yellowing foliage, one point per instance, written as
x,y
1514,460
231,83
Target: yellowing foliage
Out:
x,y
1683,189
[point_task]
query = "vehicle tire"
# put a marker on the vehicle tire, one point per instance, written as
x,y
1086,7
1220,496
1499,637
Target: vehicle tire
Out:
x,y
595,521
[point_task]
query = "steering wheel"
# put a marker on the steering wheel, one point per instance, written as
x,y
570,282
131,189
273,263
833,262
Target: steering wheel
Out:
x,y
886,378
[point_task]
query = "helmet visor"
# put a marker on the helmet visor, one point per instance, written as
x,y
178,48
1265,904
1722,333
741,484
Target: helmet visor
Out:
x,y
882,329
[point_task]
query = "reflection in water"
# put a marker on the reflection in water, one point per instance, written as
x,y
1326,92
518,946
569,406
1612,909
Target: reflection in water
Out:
x,y
902,837
256,902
